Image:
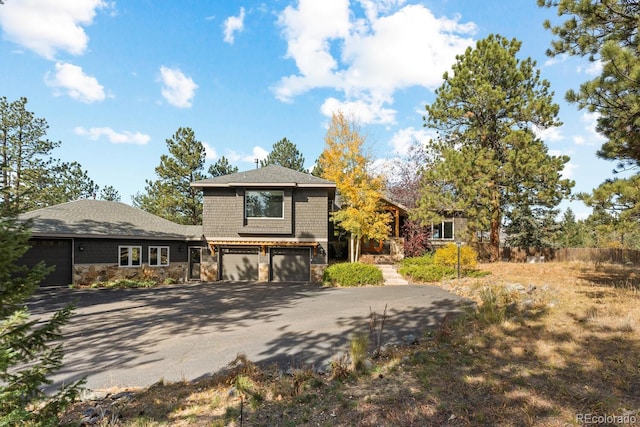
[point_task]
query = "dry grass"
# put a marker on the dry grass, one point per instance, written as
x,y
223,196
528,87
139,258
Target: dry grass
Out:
x,y
546,343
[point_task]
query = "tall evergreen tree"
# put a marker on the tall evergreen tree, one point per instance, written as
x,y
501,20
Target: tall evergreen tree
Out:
x,y
488,159
222,167
171,195
285,153
605,31
344,162
30,350
31,178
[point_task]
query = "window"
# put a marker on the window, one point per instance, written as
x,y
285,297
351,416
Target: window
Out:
x,y
442,231
130,256
264,204
158,256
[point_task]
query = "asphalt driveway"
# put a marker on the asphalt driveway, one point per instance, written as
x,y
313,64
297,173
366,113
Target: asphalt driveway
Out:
x,y
136,337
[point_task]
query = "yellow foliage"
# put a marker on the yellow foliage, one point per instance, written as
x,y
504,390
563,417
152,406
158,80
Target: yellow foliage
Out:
x,y
448,256
343,162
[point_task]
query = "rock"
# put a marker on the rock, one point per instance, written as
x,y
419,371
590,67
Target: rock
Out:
x,y
528,303
514,287
410,339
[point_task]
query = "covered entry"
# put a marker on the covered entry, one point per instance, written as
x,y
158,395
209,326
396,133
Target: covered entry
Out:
x,y
239,264
54,252
290,264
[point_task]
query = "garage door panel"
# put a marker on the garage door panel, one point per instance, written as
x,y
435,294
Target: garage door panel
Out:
x,y
290,264
239,264
54,253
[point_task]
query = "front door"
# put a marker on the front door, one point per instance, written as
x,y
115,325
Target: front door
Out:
x,y
194,263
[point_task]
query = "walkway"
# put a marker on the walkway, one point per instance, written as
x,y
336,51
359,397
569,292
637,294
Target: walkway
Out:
x,y
391,275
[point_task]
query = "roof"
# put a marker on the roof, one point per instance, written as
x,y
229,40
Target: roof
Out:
x,y
267,176
100,218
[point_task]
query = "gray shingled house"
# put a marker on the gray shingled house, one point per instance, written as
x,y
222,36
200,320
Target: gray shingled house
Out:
x,y
96,240
267,224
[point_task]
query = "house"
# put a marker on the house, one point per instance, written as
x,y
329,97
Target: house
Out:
x,y
267,224
97,240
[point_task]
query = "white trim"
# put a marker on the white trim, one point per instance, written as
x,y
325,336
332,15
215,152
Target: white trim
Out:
x,y
159,256
129,255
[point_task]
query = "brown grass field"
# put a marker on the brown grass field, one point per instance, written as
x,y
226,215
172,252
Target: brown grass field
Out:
x,y
553,344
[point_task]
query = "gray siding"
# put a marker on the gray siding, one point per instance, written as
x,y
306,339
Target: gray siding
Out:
x,y
105,251
305,215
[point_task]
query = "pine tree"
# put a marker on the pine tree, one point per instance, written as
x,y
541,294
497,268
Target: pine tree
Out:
x,y
286,154
344,163
171,195
605,31
222,167
109,193
29,348
488,159
31,178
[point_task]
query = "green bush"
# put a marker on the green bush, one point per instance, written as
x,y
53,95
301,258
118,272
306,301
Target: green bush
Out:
x,y
427,272
448,256
352,274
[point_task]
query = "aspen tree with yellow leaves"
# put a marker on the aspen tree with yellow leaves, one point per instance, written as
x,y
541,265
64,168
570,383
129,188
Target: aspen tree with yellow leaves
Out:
x,y
344,162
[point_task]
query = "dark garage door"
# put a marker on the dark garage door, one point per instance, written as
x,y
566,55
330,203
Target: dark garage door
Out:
x,y
53,252
290,264
239,264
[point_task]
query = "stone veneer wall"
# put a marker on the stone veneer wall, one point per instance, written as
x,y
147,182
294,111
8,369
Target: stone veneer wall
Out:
x,y
87,274
317,270
209,271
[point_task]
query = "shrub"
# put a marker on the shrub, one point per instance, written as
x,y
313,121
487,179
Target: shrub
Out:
x,y
358,349
428,272
448,256
352,274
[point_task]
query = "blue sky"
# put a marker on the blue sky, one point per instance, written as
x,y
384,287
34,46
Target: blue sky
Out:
x,y
115,79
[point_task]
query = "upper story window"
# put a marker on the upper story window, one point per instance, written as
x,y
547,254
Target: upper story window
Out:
x,y
443,230
130,256
264,204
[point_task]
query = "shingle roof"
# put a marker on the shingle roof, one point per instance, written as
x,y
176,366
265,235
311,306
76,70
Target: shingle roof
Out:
x,y
101,218
272,175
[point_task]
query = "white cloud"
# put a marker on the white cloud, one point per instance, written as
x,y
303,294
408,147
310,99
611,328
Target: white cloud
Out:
x,y
556,59
209,152
232,25
579,140
569,170
593,137
591,68
46,26
551,134
124,137
362,111
256,153
402,140
177,88
78,85
368,58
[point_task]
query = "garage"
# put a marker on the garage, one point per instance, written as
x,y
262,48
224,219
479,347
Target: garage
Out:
x,y
239,264
56,252
290,264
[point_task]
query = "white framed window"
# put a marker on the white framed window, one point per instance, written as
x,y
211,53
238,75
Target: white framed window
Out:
x,y
264,204
442,231
158,256
130,256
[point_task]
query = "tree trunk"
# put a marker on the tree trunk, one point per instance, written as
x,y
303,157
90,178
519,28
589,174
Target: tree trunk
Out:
x,y
494,233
